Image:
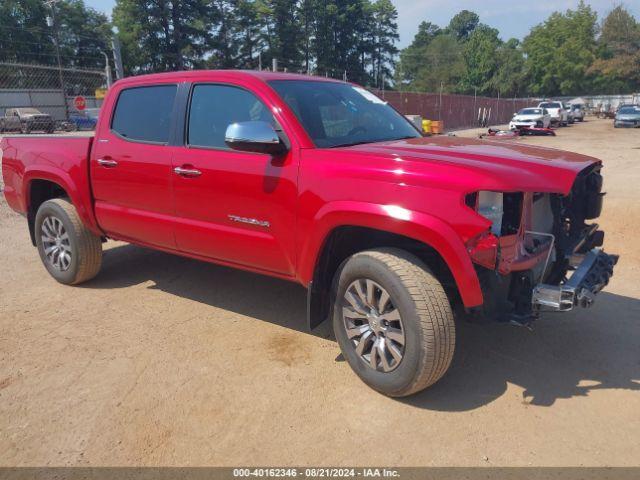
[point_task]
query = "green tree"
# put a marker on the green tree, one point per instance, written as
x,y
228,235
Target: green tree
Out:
x,y
442,65
161,35
463,24
26,37
560,51
412,57
384,34
617,68
481,60
509,77
427,31
341,28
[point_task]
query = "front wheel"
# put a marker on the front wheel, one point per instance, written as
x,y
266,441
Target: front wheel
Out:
x,y
393,321
70,252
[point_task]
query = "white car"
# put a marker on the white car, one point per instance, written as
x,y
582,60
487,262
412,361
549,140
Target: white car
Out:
x,y
558,114
578,112
530,117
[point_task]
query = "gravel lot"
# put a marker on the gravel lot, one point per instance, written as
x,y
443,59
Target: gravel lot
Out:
x,y
167,361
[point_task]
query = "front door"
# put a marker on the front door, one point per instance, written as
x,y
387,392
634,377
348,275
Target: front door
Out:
x,y
233,206
131,169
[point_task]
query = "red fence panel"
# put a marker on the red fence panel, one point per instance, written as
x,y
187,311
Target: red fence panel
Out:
x,y
456,111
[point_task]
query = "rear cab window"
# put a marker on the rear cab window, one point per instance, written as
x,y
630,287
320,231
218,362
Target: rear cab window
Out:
x,y
144,114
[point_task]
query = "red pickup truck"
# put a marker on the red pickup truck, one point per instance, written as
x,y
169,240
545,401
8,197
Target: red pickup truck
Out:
x,y
321,182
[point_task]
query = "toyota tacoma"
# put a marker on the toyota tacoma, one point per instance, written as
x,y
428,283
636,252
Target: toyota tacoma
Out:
x,y
320,182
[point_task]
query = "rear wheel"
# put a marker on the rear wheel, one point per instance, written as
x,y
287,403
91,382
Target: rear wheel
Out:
x,y
393,321
70,252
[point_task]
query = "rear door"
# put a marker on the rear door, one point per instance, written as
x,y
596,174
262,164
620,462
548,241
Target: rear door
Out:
x,y
236,207
131,166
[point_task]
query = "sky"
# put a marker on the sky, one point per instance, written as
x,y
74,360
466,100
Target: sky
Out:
x,y
511,18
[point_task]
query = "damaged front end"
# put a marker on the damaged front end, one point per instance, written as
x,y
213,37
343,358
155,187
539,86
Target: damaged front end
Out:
x,y
540,253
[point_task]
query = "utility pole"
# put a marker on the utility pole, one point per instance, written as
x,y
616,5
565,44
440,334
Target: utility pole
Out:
x,y
440,101
51,21
117,57
260,61
107,68
475,98
274,64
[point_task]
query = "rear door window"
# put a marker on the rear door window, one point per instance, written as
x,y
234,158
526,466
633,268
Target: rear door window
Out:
x,y
144,113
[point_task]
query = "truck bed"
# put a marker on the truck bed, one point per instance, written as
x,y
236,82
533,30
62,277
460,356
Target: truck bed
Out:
x,y
61,159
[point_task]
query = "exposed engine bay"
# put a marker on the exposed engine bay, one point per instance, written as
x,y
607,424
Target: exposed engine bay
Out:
x,y
541,253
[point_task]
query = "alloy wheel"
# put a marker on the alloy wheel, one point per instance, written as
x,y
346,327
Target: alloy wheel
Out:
x,y
55,243
373,325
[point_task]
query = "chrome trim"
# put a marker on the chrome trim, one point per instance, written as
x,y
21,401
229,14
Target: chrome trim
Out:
x,y
250,221
187,172
107,163
553,241
256,132
589,278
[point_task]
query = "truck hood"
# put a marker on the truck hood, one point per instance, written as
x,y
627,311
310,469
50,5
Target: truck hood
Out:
x,y
467,163
527,118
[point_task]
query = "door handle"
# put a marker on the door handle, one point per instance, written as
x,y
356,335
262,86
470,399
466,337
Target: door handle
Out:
x,y
187,172
106,162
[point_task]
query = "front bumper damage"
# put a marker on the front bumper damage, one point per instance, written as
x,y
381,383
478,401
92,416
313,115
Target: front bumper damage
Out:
x,y
591,275
546,257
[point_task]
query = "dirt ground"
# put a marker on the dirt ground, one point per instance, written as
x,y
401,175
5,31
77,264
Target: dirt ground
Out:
x,y
167,361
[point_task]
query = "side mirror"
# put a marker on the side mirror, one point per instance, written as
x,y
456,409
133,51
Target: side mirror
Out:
x,y
255,136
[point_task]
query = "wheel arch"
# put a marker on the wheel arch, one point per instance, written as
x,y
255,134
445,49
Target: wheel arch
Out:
x,y
340,232
38,191
43,185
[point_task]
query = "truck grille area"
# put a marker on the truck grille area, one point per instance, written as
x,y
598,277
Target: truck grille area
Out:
x,y
570,215
553,262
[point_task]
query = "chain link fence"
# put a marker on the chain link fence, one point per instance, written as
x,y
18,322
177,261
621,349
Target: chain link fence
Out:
x,y
49,89
52,91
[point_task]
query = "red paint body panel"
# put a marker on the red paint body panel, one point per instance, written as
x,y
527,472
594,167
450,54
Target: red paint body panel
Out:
x,y
415,188
62,160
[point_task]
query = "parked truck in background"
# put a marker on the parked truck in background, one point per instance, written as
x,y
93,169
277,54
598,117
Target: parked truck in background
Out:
x,y
559,115
26,120
322,183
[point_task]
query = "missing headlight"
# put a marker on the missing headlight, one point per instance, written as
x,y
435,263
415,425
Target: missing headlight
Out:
x,y
504,210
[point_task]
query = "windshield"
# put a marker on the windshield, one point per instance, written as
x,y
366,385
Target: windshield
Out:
x,y
635,110
340,114
530,111
28,111
550,105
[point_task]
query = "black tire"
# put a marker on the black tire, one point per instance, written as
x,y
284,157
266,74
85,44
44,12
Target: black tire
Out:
x,y
426,316
25,129
85,247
